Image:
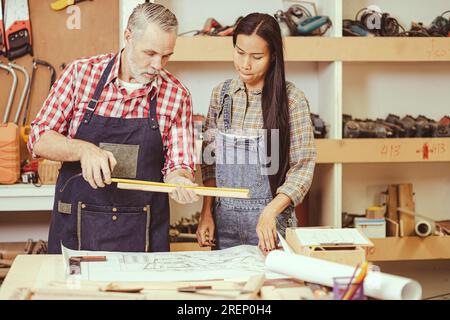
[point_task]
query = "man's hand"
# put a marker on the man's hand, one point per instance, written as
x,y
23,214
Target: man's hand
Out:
x,y
205,230
97,165
180,194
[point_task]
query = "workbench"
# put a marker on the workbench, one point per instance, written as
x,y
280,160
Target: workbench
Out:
x,y
37,272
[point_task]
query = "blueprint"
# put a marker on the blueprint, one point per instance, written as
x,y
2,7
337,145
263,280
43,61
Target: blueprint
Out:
x,y
237,263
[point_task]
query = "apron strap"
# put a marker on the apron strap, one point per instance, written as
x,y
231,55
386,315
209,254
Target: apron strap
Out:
x,y
153,119
226,101
98,92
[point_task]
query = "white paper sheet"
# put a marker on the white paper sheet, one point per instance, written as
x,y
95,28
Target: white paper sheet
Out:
x,y
376,284
238,263
286,247
318,237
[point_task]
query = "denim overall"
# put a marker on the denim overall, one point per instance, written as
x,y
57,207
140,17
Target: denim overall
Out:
x,y
239,164
111,219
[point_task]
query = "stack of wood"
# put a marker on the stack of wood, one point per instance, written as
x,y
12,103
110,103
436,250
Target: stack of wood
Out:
x,y
400,223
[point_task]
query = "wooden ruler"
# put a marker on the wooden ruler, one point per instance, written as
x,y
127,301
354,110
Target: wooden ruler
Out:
x,y
168,188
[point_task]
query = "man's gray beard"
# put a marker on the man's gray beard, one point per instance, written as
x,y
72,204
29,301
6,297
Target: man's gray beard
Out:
x,y
135,73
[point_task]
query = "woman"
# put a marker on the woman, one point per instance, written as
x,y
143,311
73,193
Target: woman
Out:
x,y
249,118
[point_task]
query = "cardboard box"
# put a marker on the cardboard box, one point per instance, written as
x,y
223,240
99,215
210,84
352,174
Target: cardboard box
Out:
x,y
372,228
375,213
344,252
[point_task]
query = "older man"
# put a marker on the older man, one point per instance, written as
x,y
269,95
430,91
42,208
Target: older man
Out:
x,y
118,115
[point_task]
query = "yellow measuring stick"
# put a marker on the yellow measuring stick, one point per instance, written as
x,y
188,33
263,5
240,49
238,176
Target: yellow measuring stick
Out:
x,y
168,188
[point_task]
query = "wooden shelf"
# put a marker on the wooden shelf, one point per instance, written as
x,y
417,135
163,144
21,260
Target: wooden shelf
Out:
x,y
26,197
322,49
399,49
410,248
383,150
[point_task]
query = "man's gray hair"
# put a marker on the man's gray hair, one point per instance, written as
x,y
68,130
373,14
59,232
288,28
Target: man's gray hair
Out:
x,y
148,12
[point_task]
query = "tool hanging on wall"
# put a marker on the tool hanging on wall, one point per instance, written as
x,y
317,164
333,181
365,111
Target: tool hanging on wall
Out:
x,y
25,130
29,172
17,29
9,139
62,4
11,93
25,91
2,31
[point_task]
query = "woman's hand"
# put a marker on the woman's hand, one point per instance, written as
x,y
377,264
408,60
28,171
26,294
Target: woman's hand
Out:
x,y
205,230
266,230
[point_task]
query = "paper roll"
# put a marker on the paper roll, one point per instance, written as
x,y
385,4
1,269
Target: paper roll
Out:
x,y
376,284
423,228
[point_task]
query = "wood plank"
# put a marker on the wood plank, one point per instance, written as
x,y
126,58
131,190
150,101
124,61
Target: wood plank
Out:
x,y
392,49
252,288
392,227
406,200
23,273
383,150
410,248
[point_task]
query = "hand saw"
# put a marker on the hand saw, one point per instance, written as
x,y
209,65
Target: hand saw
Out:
x,y
17,29
62,4
2,31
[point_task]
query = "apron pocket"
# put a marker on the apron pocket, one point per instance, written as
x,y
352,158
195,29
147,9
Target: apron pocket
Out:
x,y
107,228
126,157
62,229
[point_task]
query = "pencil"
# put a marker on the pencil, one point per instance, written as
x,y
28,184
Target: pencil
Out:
x,y
359,280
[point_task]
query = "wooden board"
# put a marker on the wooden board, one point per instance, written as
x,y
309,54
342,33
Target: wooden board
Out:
x,y
168,188
410,248
406,200
347,49
392,213
55,43
383,150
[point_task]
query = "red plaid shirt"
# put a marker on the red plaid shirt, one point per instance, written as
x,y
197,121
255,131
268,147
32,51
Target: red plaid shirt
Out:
x,y
64,108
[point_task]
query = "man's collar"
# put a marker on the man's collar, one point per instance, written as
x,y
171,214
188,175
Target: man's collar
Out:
x,y
115,69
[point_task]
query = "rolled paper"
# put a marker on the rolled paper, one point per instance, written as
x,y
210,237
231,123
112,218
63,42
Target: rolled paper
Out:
x,y
376,284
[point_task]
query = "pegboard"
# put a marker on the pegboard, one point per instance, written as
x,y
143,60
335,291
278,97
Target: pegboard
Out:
x,y
57,40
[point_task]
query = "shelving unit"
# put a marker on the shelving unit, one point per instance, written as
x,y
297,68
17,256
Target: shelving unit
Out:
x,y
26,197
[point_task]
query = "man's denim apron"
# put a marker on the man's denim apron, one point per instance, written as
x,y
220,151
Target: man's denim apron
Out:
x,y
239,164
111,219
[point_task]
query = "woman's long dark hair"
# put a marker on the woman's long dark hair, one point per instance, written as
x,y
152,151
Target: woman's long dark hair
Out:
x,y
274,94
